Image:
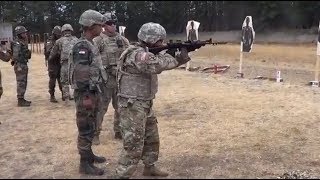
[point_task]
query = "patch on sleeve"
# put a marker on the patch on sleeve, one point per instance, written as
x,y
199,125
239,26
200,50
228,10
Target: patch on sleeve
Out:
x,y
142,57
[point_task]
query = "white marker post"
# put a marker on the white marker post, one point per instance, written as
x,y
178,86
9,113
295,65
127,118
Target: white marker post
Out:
x,y
247,39
121,30
316,83
192,35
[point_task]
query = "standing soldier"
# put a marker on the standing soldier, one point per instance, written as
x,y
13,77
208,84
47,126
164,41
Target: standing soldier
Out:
x,y
86,76
62,48
20,56
53,65
110,44
137,86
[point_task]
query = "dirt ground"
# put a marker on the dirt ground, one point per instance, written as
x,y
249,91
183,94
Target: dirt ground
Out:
x,y
210,125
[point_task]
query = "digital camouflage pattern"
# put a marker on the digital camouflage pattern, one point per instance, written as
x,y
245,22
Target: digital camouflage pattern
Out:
x,y
137,86
91,17
20,55
151,32
63,48
110,48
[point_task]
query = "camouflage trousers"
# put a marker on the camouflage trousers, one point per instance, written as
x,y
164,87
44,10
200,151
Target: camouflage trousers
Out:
x,y
21,71
109,93
86,115
64,80
54,75
140,136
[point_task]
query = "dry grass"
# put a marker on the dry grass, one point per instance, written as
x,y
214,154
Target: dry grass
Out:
x,y
211,126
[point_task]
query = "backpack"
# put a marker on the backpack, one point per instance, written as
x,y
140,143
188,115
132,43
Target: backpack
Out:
x,y
81,61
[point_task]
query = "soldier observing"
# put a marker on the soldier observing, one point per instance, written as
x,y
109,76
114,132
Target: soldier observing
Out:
x,y
86,76
62,48
20,56
110,44
53,65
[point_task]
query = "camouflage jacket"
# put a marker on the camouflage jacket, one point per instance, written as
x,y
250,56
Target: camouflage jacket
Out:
x,y
110,48
20,52
85,51
63,47
137,72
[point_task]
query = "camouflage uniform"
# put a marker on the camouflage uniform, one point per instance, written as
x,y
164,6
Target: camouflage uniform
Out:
x,y
110,47
137,86
20,56
54,66
86,76
62,48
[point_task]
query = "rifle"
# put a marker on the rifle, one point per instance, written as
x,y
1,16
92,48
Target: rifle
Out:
x,y
189,45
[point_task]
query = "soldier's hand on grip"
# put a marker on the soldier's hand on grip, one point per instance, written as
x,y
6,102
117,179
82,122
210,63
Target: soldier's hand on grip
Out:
x,y
183,56
172,52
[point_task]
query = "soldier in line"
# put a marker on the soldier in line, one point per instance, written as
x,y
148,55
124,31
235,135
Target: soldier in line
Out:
x,y
62,48
20,56
110,44
86,76
137,86
54,66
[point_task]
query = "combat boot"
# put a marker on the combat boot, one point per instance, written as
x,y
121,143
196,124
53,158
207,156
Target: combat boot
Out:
x,y
88,168
117,135
96,140
99,159
23,103
153,171
53,99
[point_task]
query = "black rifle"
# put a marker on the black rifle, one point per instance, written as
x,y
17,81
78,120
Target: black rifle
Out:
x,y
189,45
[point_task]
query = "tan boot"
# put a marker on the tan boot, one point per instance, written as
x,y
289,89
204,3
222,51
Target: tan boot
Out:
x,y
153,171
96,140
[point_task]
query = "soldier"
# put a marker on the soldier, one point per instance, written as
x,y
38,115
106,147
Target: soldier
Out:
x,y
20,56
137,86
53,65
62,48
110,44
86,76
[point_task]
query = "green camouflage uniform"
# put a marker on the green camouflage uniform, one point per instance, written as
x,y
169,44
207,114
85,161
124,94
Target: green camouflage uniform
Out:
x,y
137,86
110,48
62,48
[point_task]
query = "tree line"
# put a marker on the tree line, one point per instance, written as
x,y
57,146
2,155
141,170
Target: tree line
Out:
x,y
42,16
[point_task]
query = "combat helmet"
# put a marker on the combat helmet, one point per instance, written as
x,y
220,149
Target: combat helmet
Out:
x,y
151,32
110,17
56,30
20,29
66,27
91,17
